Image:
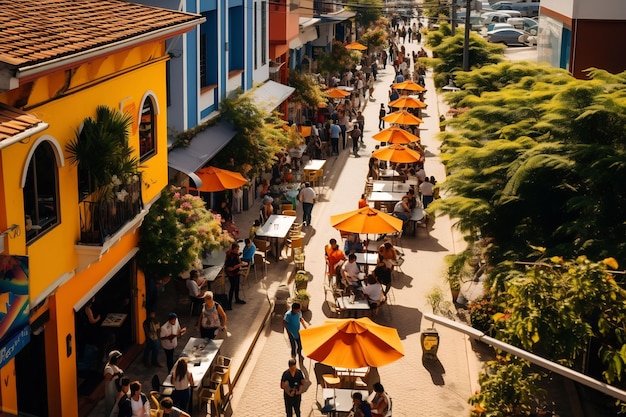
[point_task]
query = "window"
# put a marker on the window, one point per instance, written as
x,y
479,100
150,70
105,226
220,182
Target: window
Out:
x,y
41,198
147,131
209,50
235,38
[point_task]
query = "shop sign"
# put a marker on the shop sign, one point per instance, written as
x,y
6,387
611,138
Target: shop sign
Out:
x,y
14,306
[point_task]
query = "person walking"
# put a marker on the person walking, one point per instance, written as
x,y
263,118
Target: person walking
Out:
x,y
112,375
335,132
211,318
170,332
292,383
381,113
151,328
292,321
233,265
355,134
360,119
307,198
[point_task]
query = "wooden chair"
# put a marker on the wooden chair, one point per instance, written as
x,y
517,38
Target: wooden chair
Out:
x,y
331,301
325,376
262,247
290,212
285,207
294,243
155,406
212,397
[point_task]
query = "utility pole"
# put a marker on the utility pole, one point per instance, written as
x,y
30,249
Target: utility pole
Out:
x,y
453,17
466,64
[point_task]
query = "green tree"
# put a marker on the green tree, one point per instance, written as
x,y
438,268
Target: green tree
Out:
x,y
448,55
374,38
307,90
259,137
367,11
522,172
338,60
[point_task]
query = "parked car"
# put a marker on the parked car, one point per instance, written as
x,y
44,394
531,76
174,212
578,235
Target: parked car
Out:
x,y
498,17
526,8
507,36
524,23
495,26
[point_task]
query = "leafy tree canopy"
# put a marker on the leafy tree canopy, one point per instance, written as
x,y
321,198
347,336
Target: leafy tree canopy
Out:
x,y
338,60
307,90
367,11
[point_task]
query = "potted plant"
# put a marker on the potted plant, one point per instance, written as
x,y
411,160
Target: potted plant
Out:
x,y
302,297
438,302
301,280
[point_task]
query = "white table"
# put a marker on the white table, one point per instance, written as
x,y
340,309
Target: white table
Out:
x,y
357,308
276,227
200,355
342,398
314,165
389,186
211,273
366,258
388,173
386,196
418,215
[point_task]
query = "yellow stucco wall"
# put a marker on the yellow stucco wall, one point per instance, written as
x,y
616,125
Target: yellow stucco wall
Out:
x,y
63,101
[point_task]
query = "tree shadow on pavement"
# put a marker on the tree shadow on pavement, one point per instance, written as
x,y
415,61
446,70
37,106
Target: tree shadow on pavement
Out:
x,y
435,369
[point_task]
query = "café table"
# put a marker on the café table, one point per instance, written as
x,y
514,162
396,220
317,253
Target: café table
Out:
x,y
276,227
418,216
388,173
353,308
211,273
366,259
341,398
389,186
314,169
200,354
385,196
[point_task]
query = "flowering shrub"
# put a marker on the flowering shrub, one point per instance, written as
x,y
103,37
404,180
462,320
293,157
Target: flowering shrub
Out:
x,y
482,313
176,233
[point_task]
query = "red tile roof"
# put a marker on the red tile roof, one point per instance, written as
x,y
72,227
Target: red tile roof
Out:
x,y
14,121
35,31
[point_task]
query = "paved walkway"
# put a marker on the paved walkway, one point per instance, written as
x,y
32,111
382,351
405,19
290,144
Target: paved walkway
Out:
x,y
417,388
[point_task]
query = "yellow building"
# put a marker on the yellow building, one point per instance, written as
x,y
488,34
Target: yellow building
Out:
x,y
59,61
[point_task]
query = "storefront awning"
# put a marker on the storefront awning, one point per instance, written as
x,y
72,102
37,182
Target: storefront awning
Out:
x,y
337,17
270,95
204,146
308,32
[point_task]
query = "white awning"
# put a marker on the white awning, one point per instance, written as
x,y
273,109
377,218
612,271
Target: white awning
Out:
x,y
308,32
270,95
204,146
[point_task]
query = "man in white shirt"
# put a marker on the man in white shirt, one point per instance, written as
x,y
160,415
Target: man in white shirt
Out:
x,y
307,198
350,272
426,189
170,332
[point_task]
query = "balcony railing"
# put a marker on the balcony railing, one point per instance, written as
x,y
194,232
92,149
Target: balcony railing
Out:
x,y
101,219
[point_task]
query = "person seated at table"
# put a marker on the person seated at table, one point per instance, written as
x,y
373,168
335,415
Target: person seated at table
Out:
x,y
249,249
255,226
195,284
350,273
379,401
412,199
263,188
388,252
353,244
363,201
361,408
373,291
287,174
402,210
268,208
383,273
277,189
333,255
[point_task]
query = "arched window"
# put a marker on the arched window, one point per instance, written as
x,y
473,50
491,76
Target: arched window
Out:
x,y
147,130
41,192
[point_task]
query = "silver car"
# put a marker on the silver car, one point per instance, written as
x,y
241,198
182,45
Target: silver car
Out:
x,y
507,36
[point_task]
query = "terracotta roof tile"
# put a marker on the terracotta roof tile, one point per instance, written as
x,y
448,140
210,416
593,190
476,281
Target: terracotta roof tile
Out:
x,y
33,31
14,121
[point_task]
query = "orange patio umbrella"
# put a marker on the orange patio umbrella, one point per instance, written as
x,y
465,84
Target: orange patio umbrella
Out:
x,y
407,102
402,117
366,220
216,179
395,134
352,343
408,85
336,93
397,153
356,46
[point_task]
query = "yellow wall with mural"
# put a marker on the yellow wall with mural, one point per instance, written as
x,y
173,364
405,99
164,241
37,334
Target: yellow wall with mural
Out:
x,y
64,100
